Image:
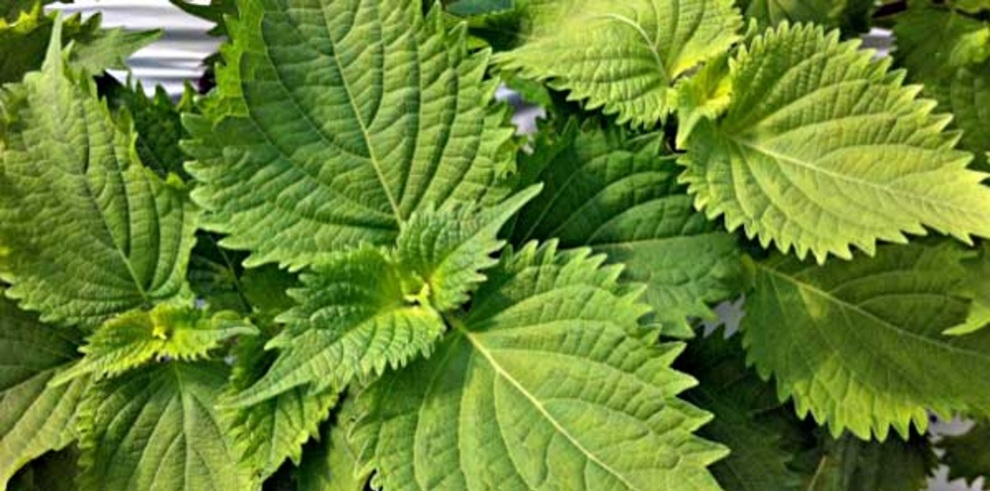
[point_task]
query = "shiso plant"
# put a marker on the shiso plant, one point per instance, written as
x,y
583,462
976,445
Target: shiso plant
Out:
x,y
338,266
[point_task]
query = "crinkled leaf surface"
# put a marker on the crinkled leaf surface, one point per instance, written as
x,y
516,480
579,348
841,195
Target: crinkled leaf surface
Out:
x,y
773,12
269,432
155,428
822,149
968,455
549,381
158,124
331,464
24,39
34,418
859,344
621,55
747,414
167,331
86,231
334,121
354,318
617,195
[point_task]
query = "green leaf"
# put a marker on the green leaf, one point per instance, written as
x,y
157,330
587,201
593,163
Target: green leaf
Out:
x,y
167,331
331,464
23,43
618,196
767,165
354,318
215,11
774,12
478,8
397,120
86,231
859,344
747,416
548,382
155,428
11,10
971,6
622,55
948,53
968,455
446,250
35,418
214,275
158,124
271,431
849,464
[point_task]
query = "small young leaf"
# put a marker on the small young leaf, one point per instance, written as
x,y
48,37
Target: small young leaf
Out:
x,y
822,149
860,344
354,318
167,331
968,455
86,231
155,428
35,418
333,122
448,249
548,382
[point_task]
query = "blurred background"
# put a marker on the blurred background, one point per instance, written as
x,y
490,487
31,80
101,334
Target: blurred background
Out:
x,y
177,58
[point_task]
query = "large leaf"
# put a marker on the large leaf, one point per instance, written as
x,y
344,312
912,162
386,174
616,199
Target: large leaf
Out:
x,y
269,432
621,55
34,418
747,416
968,455
335,121
948,53
165,332
548,382
86,231
617,195
155,429
354,318
859,344
23,43
821,149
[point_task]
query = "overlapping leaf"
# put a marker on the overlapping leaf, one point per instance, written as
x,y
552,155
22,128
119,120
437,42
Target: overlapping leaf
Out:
x,y
331,464
620,197
335,121
34,418
621,56
24,39
850,464
548,381
968,455
86,231
822,149
167,331
860,344
155,428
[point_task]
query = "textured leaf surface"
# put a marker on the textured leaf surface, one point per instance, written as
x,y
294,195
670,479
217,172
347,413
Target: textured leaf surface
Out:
x,y
331,464
767,164
849,464
447,250
336,120
548,381
24,40
859,344
620,197
269,432
774,12
948,53
747,417
34,418
86,232
353,319
166,332
155,429
622,56
158,124
968,455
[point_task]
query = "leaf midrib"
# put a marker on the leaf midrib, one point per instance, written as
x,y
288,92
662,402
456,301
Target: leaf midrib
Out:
x,y
501,372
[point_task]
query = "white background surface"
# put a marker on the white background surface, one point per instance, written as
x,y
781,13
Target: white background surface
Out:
x,y
177,57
